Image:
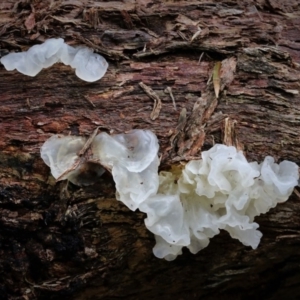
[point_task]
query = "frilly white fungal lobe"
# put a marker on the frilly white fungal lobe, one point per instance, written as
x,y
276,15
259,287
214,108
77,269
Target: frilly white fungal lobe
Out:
x,y
88,66
133,160
135,150
60,153
133,188
221,191
185,208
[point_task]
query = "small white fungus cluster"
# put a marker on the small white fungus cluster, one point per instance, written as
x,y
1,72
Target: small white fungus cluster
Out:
x,y
131,158
133,161
185,208
60,153
88,66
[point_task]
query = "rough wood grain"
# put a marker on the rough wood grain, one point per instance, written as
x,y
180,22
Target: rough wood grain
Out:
x,y
59,241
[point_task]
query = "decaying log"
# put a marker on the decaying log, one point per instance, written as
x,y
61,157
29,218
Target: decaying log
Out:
x,y
61,241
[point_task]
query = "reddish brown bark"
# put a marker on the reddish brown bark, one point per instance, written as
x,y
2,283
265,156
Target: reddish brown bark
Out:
x,y
58,241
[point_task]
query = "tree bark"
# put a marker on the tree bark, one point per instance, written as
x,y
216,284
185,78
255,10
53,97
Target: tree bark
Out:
x,y
61,241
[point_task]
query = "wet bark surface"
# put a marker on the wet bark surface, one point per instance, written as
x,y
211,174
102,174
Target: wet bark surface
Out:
x,y
61,241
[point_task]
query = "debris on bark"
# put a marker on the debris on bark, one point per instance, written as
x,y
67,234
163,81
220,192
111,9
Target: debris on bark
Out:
x,y
82,243
157,102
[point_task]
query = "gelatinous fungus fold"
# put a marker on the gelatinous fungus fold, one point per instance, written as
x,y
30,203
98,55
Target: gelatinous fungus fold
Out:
x,y
185,207
88,66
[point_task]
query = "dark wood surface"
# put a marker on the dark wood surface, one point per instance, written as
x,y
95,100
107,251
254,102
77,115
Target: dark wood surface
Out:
x,y
59,242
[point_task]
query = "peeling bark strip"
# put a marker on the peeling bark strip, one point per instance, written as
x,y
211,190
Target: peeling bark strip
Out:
x,y
88,142
216,78
229,134
82,243
157,102
169,91
223,75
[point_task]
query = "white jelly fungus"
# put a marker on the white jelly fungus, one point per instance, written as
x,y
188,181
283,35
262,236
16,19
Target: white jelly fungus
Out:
x,y
134,150
221,191
60,153
185,207
88,66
